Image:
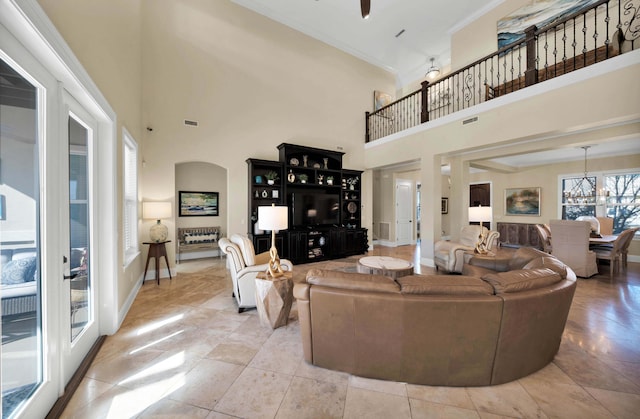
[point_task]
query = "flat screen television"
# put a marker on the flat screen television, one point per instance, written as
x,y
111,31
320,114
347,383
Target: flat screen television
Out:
x,y
314,208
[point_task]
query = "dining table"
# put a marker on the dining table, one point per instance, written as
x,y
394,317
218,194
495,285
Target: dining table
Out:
x,y
603,239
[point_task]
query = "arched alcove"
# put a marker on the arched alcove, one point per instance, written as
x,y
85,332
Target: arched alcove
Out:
x,y
202,177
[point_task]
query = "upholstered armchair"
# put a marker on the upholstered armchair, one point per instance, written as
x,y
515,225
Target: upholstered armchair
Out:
x,y
449,255
243,275
570,244
248,251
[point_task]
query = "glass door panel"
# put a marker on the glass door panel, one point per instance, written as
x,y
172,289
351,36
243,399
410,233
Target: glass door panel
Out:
x,y
79,230
20,289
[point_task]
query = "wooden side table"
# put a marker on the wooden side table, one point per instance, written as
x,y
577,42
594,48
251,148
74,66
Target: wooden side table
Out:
x,y
274,297
157,250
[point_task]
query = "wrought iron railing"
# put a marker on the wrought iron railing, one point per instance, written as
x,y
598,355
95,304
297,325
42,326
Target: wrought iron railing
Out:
x,y
606,29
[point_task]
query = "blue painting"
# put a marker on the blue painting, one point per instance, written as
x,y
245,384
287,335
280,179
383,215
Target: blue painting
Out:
x,y
538,12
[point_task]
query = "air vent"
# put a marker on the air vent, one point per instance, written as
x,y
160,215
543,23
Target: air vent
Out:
x,y
470,120
190,123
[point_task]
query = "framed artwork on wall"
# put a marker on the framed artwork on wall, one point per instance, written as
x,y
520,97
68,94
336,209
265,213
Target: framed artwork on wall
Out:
x,y
381,99
444,206
522,201
198,204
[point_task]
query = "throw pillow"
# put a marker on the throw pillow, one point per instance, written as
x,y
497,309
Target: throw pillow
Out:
x,y
19,270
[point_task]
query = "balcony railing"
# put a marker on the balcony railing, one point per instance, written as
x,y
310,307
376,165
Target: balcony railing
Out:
x,y
604,30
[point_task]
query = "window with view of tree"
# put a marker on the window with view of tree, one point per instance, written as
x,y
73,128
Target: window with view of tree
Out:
x,y
619,198
623,200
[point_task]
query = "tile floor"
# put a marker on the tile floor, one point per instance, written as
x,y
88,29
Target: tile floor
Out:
x,y
184,352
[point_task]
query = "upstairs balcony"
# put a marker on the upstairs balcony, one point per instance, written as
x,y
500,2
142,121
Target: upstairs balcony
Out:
x,y
604,30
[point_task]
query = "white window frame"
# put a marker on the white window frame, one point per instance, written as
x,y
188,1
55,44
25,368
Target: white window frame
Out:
x,y
130,244
601,205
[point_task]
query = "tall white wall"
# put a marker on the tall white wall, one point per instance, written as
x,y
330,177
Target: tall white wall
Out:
x,y
252,84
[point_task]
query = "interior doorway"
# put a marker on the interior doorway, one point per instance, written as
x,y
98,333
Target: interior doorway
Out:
x,y
480,194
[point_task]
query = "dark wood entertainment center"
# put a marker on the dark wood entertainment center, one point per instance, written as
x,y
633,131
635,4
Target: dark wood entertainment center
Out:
x,y
324,204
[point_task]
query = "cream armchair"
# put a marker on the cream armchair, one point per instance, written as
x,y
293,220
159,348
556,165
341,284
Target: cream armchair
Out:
x,y
248,251
450,255
243,275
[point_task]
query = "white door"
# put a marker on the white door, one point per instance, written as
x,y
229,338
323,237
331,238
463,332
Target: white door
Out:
x,y
404,212
40,347
29,227
79,313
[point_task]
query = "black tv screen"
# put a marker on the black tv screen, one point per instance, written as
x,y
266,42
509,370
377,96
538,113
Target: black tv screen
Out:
x,y
314,208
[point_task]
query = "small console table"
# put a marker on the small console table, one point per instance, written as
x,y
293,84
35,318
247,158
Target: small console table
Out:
x,y
157,250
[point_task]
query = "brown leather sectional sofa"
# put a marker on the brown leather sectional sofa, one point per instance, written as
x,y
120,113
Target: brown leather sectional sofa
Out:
x,y
481,328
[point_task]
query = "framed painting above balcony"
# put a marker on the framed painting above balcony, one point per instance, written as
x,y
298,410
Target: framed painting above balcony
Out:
x,y
540,13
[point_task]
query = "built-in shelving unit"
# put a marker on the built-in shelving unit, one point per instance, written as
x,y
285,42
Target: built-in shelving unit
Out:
x,y
324,203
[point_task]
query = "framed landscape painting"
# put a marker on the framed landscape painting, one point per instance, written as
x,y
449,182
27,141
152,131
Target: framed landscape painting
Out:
x,y
522,201
198,204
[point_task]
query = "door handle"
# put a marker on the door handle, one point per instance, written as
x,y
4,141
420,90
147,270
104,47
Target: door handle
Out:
x,y
72,276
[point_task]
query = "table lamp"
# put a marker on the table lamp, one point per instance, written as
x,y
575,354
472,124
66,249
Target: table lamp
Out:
x,y
273,218
156,211
481,214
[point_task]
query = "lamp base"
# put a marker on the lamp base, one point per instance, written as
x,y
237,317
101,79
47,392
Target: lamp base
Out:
x,y
158,232
481,245
275,270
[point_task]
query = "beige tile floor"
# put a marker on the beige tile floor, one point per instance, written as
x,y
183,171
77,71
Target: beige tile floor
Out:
x,y
184,352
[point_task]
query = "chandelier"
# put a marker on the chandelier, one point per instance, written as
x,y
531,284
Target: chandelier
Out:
x,y
584,191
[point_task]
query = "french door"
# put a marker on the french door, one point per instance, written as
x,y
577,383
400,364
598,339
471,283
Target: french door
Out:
x,y
49,288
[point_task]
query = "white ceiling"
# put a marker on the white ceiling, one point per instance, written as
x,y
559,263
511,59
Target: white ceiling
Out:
x,y
428,26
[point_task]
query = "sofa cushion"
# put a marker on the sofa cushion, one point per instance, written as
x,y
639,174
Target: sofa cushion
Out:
x,y
524,255
19,270
444,285
522,280
352,281
548,262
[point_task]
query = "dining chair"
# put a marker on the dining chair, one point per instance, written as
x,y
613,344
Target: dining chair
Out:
x,y
614,253
570,244
544,234
606,225
625,248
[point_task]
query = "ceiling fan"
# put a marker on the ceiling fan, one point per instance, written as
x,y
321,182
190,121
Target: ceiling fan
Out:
x,y
365,7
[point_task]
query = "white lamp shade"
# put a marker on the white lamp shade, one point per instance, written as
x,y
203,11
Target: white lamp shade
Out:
x,y
273,218
156,210
480,214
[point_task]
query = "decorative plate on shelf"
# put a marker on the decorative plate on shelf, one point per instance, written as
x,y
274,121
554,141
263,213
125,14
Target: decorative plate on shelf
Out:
x,y
294,162
352,207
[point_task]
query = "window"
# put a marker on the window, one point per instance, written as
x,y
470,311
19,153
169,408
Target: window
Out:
x,y
618,198
623,200
578,197
130,187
